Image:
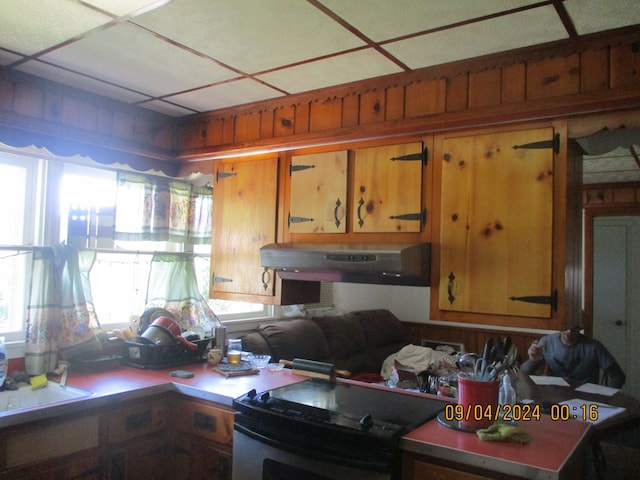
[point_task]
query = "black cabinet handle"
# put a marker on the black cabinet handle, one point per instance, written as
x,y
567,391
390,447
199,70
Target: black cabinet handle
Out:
x,y
266,278
450,286
138,420
360,205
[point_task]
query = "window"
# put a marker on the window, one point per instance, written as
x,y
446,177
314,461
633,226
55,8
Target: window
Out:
x,y
18,182
75,204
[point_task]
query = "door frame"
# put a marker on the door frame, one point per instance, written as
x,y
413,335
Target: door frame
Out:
x,y
589,214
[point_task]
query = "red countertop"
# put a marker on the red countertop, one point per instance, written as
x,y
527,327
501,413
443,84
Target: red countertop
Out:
x,y
552,444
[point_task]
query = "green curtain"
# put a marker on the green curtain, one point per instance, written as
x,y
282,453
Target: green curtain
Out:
x,y
162,209
173,286
61,320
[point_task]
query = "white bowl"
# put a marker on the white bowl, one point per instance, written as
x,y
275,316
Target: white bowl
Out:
x,y
259,361
275,367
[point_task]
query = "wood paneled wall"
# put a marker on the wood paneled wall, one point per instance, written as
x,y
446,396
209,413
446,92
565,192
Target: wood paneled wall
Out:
x,y
473,339
614,195
597,73
68,121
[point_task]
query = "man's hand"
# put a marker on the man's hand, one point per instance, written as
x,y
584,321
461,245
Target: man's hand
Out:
x,y
535,351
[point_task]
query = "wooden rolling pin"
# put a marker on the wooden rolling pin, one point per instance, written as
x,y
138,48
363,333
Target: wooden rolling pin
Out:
x,y
312,368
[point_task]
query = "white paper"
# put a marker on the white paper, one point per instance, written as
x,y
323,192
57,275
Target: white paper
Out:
x,y
599,389
603,413
548,380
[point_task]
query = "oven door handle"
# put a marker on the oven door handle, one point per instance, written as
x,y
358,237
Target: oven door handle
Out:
x,y
379,464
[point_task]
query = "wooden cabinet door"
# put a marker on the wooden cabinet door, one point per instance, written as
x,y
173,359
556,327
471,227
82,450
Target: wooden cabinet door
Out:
x,y
387,195
318,193
244,219
195,458
496,222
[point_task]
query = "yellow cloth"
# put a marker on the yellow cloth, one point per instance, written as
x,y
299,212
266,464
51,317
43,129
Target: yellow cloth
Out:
x,y
500,432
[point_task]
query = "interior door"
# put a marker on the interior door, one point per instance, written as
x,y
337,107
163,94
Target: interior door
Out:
x,y
616,292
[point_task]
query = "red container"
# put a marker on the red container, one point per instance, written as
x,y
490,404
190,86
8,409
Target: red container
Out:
x,y
480,402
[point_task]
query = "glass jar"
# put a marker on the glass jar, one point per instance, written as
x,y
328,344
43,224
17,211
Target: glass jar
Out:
x,y
234,350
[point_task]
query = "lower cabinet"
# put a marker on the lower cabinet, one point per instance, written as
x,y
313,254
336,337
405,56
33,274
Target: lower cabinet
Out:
x,y
202,440
67,447
197,459
143,457
137,440
416,467
166,436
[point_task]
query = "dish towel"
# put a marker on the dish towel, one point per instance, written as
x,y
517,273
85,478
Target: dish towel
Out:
x,y
499,432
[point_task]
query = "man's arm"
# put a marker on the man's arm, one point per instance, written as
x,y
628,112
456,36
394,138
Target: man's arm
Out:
x,y
615,376
536,358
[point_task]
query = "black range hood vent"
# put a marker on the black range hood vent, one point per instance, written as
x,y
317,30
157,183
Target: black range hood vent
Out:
x,y
384,264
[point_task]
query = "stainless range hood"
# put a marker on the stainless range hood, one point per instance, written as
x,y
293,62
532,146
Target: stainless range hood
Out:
x,y
385,264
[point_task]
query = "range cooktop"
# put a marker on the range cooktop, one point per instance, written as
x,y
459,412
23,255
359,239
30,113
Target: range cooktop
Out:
x,y
379,412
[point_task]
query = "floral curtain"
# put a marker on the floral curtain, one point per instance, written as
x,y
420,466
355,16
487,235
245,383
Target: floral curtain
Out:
x,y
61,320
162,209
173,286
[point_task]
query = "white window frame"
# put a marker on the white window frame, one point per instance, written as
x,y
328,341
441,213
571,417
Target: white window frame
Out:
x,y
44,207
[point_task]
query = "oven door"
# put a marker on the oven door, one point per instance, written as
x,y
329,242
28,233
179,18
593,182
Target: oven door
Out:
x,y
259,460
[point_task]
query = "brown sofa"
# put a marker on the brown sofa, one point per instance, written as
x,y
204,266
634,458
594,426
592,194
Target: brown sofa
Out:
x,y
357,341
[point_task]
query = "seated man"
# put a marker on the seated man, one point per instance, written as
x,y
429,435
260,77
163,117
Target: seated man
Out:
x,y
575,357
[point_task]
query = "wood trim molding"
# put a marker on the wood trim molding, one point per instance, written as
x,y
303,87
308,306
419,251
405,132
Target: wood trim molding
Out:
x,y
567,78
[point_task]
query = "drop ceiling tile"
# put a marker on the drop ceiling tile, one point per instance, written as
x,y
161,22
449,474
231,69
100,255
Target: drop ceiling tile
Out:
x,y
120,8
228,94
591,16
129,56
251,35
349,67
28,29
609,164
166,108
7,58
383,19
611,177
72,79
498,34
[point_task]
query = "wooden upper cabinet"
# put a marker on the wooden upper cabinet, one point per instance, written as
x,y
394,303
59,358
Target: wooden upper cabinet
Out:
x,y
496,223
244,219
318,193
387,189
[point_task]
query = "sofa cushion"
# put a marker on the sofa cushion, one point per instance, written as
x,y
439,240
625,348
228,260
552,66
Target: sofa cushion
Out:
x,y
296,338
380,327
344,335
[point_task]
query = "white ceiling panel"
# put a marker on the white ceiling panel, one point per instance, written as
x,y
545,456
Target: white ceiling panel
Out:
x,y
251,35
591,16
346,68
383,19
28,26
121,8
495,35
124,54
225,95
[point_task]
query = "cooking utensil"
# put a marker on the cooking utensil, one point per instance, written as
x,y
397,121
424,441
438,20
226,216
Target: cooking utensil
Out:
x,y
158,335
485,371
174,329
467,363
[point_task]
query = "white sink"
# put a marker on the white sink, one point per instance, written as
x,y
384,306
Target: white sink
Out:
x,y
24,397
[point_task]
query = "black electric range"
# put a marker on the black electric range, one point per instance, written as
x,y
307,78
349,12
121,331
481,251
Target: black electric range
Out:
x,y
333,422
